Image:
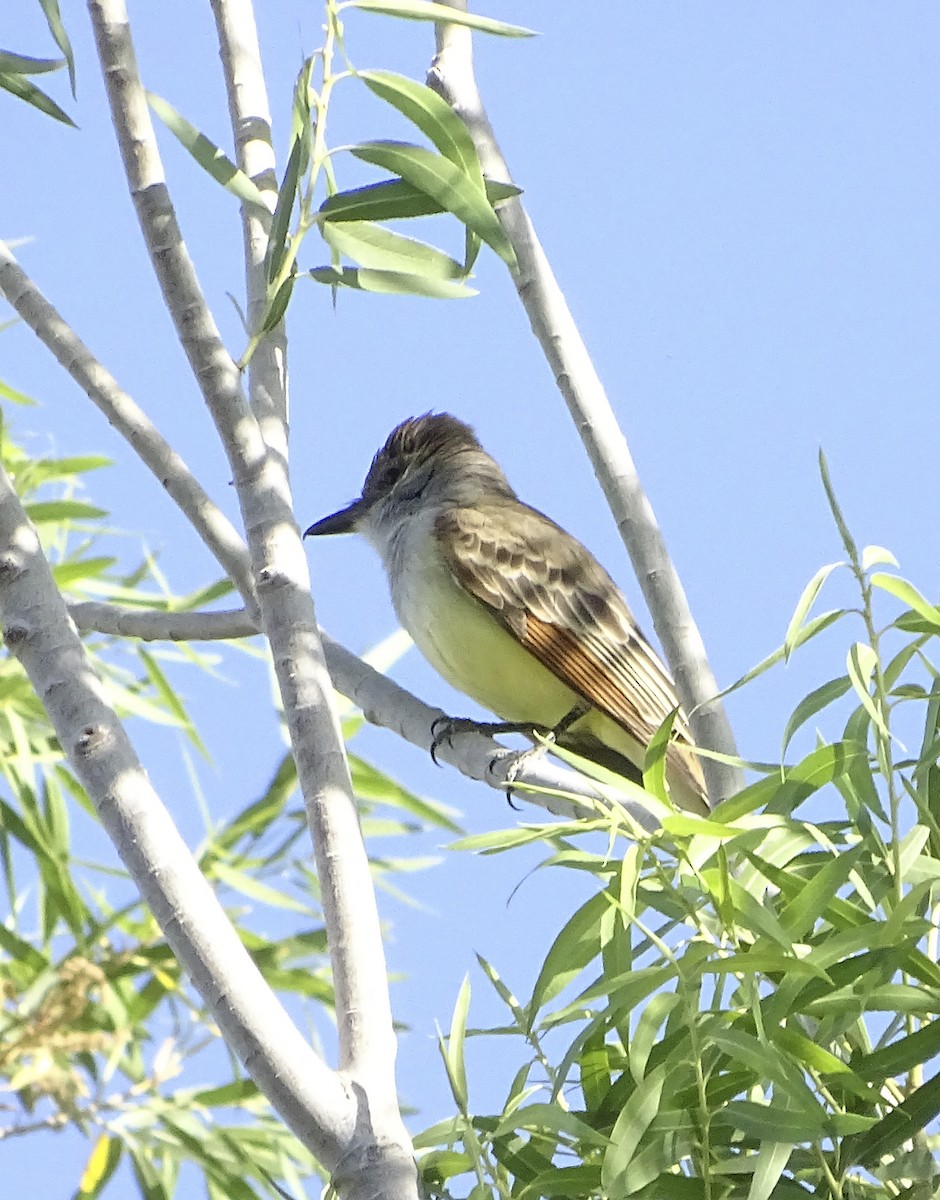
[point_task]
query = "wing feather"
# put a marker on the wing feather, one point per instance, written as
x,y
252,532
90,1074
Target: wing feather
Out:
x,y
557,600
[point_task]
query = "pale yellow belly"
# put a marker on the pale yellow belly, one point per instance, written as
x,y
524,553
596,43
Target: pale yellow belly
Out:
x,y
479,657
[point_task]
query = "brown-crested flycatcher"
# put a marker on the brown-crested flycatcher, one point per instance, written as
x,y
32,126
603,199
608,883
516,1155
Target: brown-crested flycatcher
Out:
x,y
509,608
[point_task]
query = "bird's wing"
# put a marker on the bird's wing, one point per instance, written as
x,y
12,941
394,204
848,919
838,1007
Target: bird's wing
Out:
x,y
562,606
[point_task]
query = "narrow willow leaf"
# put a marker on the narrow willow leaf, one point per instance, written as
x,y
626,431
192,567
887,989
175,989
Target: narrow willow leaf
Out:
x,y
804,604
20,86
53,17
909,595
427,10
278,307
861,662
574,1182
394,199
654,766
809,630
454,1055
391,283
167,694
41,512
15,397
847,540
574,947
771,1159
811,903
771,1122
912,1115
372,245
873,556
810,705
635,1118
208,155
443,181
900,1057
246,884
287,194
99,1166
646,1033
432,115
22,64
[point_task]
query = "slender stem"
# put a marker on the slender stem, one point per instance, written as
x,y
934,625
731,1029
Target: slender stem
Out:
x,y
215,529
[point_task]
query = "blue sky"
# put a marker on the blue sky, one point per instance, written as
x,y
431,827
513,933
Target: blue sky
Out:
x,y
739,201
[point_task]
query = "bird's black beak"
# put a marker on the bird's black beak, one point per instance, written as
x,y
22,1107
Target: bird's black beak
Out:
x,y
344,521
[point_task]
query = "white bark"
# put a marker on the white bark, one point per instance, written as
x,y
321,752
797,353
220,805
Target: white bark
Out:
x,y
377,1158
100,386
452,75
318,1104
385,704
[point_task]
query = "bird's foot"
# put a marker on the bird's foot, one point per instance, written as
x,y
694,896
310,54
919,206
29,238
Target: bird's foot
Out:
x,y
444,729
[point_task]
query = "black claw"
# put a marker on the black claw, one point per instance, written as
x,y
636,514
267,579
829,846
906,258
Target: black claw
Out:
x,y
440,732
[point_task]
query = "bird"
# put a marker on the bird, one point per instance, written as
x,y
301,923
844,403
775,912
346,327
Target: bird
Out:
x,y
511,609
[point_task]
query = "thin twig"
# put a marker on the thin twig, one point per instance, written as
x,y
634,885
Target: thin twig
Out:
x,y
452,76
129,420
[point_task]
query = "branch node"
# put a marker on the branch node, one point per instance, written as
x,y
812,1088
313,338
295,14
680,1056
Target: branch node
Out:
x,y
91,740
15,634
10,567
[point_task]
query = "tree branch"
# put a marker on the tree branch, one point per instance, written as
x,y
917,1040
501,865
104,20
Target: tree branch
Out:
x,y
380,1153
215,529
452,76
315,1102
385,704
251,126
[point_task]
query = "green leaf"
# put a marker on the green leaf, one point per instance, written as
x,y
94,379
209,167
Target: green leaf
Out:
x,y
432,115
372,245
772,1122
574,947
847,540
391,283
99,1167
394,199
811,903
815,702
909,595
445,183
874,555
169,697
22,64
912,1115
645,1035
20,86
286,196
42,512
861,662
804,604
15,397
635,1118
246,884
454,1054
771,1159
901,1056
427,10
208,155
53,17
